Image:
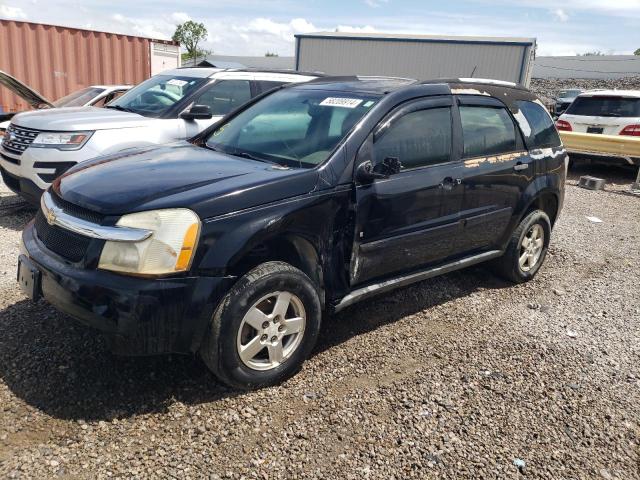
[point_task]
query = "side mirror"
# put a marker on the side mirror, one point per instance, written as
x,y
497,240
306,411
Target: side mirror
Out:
x,y
197,112
367,173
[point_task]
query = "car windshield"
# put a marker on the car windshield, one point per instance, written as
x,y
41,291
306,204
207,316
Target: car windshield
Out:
x,y
292,127
154,97
602,106
79,98
568,93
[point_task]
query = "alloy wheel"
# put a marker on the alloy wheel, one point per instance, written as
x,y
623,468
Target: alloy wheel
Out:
x,y
271,331
531,248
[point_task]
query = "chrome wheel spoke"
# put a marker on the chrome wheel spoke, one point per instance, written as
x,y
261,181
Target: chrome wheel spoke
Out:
x,y
276,353
293,325
526,241
251,349
255,318
523,259
282,304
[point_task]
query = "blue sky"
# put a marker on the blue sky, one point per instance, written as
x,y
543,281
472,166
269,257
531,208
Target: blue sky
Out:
x,y
252,27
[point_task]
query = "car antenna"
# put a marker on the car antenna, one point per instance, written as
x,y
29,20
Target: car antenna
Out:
x,y
474,71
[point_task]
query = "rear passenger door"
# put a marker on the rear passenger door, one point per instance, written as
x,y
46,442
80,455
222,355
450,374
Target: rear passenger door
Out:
x,y
497,170
410,219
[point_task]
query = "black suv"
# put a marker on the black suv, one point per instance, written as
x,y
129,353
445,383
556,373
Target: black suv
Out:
x,y
308,199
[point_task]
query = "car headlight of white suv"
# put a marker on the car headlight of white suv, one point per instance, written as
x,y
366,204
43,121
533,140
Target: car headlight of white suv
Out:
x,y
169,249
61,140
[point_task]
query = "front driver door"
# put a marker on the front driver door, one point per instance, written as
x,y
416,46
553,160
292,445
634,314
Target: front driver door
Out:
x,y
408,220
222,97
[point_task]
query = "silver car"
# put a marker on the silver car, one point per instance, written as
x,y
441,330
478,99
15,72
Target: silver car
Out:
x,y
177,104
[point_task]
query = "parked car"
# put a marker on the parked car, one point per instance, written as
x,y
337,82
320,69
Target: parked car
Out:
x,y
603,112
95,95
565,98
174,105
307,200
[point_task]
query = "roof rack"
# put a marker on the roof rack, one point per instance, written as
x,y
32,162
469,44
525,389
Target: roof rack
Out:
x,y
256,69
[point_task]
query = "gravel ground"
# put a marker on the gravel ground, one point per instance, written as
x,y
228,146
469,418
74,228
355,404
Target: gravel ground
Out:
x,y
462,376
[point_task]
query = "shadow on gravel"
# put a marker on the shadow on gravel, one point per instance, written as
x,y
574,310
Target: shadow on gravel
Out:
x,y
67,371
613,174
15,217
389,308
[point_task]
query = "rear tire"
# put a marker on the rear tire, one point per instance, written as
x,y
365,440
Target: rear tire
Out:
x,y
526,250
264,328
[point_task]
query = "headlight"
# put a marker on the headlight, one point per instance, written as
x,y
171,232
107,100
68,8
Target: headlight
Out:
x,y
169,249
61,140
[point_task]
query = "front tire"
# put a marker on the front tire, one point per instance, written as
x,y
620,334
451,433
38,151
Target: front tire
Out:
x,y
264,328
527,248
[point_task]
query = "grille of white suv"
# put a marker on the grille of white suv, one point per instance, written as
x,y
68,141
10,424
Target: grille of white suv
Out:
x,y
17,139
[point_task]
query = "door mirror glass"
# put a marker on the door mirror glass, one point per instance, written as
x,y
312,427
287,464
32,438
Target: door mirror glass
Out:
x,y
197,112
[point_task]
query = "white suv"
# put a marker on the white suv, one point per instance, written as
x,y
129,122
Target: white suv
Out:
x,y
39,146
604,112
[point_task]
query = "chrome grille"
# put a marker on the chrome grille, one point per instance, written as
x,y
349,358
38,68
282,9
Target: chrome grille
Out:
x,y
17,139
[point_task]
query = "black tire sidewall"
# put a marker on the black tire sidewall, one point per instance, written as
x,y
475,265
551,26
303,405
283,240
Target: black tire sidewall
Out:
x,y
536,217
245,295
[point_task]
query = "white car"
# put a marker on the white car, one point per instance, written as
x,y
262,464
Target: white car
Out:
x,y
603,112
94,95
175,105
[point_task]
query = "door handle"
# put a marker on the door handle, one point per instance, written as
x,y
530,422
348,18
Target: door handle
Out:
x,y
448,183
520,166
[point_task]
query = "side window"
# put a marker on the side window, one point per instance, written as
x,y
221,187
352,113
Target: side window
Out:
x,y
101,102
418,138
265,85
224,96
487,131
541,132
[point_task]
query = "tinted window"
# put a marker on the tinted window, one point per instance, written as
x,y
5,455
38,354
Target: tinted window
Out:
x,y
294,127
543,132
418,138
265,86
605,107
225,96
487,131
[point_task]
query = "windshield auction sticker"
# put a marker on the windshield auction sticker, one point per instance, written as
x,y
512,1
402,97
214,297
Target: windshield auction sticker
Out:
x,y
340,102
177,82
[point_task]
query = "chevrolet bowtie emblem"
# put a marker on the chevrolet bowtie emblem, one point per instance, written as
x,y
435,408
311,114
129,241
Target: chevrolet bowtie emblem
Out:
x,y
51,217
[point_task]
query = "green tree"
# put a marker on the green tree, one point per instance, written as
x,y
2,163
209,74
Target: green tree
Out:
x,y
637,52
189,34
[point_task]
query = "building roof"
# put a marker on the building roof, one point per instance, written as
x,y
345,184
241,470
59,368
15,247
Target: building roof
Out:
x,y
231,61
79,29
418,38
592,66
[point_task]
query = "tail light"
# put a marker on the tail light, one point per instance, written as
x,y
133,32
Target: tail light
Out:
x,y
631,130
563,126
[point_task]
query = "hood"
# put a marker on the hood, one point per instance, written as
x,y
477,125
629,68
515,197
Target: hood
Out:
x,y
184,175
71,119
31,96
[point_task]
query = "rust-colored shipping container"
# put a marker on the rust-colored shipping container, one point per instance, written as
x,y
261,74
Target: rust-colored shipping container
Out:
x,y
56,61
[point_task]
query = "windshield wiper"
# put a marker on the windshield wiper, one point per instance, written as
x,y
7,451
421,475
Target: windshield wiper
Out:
x,y
120,108
243,154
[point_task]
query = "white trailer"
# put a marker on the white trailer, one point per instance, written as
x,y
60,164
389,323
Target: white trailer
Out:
x,y
423,57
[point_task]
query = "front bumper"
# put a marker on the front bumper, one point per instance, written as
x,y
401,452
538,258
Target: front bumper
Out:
x,y
23,187
140,316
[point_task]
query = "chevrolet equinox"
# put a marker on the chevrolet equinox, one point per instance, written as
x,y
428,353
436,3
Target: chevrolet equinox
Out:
x,y
306,200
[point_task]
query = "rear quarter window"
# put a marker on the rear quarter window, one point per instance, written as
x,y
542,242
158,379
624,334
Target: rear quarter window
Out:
x,y
540,131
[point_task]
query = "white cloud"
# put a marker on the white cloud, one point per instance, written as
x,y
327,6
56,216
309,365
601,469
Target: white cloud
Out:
x,y
12,13
350,29
375,3
560,15
180,17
